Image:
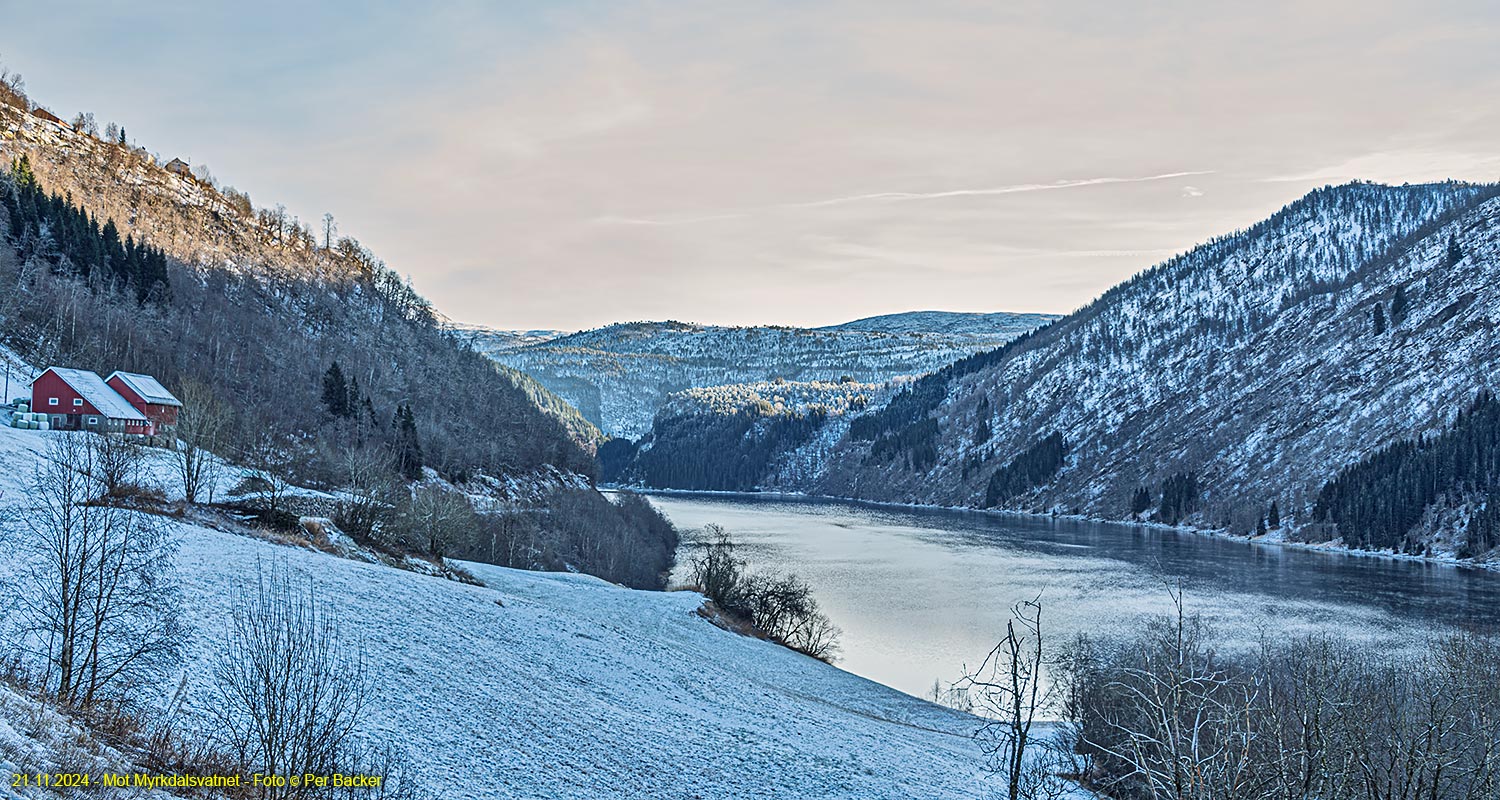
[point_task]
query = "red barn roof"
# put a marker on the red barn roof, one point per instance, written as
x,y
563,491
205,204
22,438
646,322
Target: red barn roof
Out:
x,y
149,388
96,392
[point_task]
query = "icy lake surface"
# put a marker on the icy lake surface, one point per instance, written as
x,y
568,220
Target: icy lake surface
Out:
x,y
920,593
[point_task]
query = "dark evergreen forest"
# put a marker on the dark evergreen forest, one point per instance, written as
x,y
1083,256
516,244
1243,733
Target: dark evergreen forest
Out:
x,y
50,225
714,452
1034,467
1379,500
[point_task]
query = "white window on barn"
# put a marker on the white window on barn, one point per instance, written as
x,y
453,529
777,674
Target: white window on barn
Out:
x,y
52,401
93,420
78,401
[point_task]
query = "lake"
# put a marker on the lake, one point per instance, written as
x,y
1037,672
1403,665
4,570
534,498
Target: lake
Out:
x,y
920,593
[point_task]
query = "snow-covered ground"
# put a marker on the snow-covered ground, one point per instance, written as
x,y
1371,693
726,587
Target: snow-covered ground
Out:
x,y
576,688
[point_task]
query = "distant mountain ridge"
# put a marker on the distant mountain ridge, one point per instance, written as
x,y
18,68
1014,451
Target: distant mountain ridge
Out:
x,y
619,375
948,322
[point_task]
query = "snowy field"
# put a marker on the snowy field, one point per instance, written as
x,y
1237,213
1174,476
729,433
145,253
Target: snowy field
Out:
x,y
576,688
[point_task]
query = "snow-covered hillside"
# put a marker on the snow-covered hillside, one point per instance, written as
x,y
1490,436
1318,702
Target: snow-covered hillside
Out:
x,y
543,685
619,375
1254,362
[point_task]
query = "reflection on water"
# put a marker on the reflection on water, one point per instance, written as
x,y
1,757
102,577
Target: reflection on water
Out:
x,y
920,593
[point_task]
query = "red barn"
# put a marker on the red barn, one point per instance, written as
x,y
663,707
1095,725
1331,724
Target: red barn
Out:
x,y
148,396
76,399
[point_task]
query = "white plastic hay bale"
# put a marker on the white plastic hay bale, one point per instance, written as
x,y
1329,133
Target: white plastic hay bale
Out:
x,y
44,426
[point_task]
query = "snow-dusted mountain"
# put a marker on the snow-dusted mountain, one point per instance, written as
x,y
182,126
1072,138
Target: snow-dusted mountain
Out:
x,y
947,322
1247,371
1254,363
497,340
620,375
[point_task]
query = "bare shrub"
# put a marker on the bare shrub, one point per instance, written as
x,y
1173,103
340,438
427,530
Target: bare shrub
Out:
x,y
289,690
780,606
1163,714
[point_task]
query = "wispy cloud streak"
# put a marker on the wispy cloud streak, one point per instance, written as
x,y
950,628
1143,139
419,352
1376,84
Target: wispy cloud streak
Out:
x,y
994,190
1017,188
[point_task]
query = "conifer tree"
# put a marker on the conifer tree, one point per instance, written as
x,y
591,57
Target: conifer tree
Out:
x,y
408,449
1400,306
335,392
21,173
1455,250
1179,496
351,405
982,431
1274,517
1140,501
1378,317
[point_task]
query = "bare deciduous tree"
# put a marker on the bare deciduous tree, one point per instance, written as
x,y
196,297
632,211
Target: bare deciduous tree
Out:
x,y
201,428
84,123
1010,688
1164,714
434,519
1181,726
369,490
13,89
273,458
780,606
106,620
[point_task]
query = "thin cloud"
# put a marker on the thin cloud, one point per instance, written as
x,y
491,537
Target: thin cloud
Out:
x,y
1017,188
610,219
995,190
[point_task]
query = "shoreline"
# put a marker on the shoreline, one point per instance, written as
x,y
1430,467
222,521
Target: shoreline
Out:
x,y
1328,548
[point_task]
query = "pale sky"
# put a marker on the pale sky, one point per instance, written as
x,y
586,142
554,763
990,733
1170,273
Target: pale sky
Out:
x,y
569,164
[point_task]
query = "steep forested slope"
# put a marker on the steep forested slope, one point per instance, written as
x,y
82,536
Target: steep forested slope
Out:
x,y
618,376
1246,371
317,359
